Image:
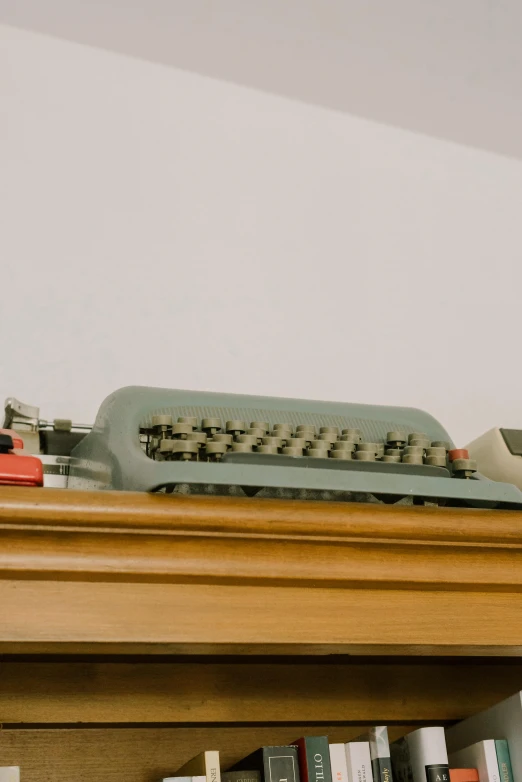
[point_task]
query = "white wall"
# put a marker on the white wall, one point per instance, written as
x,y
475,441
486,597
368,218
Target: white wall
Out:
x,y
162,228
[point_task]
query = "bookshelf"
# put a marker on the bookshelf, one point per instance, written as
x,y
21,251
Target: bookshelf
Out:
x,y
137,630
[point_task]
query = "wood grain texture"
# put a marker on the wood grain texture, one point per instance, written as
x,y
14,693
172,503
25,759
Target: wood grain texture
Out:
x,y
141,755
128,570
213,692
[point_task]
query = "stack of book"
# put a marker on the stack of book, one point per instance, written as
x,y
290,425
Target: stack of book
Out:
x,y
484,748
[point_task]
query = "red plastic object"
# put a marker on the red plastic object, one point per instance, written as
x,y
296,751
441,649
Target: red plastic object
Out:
x,y
458,453
17,440
17,469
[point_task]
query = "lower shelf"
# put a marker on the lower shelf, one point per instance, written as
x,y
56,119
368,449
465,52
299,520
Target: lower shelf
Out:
x,y
141,754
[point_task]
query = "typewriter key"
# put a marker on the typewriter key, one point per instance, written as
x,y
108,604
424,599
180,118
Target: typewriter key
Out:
x,y
373,447
214,451
365,456
267,449
305,428
297,442
242,447
341,454
260,425
259,433
180,431
235,427
396,439
250,439
271,440
288,451
441,444
417,436
188,419
280,430
317,453
416,450
211,426
423,442
464,468
223,438
434,451
436,461
344,445
329,438
184,450
355,435
413,458
391,458
198,437
393,452
162,425
329,430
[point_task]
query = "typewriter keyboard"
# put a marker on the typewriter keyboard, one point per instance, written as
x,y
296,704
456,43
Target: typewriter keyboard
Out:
x,y
210,440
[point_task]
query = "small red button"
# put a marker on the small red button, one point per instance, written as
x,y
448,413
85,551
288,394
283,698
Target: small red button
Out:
x,y
458,453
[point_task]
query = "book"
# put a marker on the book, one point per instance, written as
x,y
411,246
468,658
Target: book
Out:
x,y
421,756
205,764
464,775
276,764
483,756
338,763
184,779
9,773
249,775
380,754
313,753
504,761
358,761
502,721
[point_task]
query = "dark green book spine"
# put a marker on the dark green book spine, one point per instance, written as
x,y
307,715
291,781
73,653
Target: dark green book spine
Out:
x,y
504,761
317,759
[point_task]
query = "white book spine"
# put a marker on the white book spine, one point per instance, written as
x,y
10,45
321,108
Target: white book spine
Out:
x,y
482,756
338,763
10,774
358,761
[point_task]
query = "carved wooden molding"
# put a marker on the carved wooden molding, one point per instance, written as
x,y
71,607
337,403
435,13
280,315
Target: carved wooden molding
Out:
x,y
196,574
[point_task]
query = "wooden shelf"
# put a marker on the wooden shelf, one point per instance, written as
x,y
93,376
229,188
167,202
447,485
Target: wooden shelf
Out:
x,y
137,630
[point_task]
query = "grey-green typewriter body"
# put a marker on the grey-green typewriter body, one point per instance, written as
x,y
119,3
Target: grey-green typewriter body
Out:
x,y
153,439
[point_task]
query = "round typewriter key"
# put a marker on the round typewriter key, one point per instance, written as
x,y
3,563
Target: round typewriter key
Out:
x,y
329,430
436,461
390,458
413,458
242,447
180,431
317,453
434,451
396,439
264,425
255,430
416,450
380,450
464,468
393,452
211,425
373,447
420,441
198,437
305,428
458,453
328,438
288,451
417,436
342,454
165,446
235,427
271,440
353,434
279,429
188,419
324,445
343,445
161,420
441,444
184,450
308,437
297,442
249,439
223,438
214,451
267,449
365,456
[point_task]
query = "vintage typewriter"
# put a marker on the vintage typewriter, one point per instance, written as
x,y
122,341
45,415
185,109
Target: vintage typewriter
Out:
x,y
161,440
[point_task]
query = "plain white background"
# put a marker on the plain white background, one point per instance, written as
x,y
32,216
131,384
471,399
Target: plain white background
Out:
x,y
162,228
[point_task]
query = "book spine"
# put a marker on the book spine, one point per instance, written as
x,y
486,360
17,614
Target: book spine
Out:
x,y
338,763
381,769
280,764
212,768
504,761
359,762
317,752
